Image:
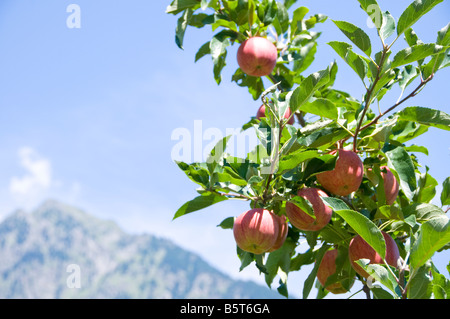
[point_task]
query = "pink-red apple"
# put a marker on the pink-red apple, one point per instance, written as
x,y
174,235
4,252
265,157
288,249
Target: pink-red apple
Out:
x,y
347,175
304,221
391,186
326,269
257,56
262,113
360,249
256,230
282,233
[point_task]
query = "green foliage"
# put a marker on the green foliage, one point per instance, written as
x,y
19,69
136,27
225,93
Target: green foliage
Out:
x,y
289,158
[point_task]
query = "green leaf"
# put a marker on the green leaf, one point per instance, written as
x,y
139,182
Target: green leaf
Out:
x,y
434,234
380,274
389,212
380,293
441,285
387,27
356,35
279,259
204,50
295,159
426,116
373,10
321,107
216,154
400,160
426,188
415,53
196,173
308,87
420,285
297,17
445,195
181,27
309,282
335,203
365,228
179,5
227,223
423,211
198,203
414,12
355,61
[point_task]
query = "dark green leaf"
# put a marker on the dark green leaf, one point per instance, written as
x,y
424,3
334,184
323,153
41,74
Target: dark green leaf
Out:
x,y
181,27
420,286
179,5
445,195
204,50
227,223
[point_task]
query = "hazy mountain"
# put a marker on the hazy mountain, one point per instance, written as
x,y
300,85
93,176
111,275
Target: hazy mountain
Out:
x,y
54,249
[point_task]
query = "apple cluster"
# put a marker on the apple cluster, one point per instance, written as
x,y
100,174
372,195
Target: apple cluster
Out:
x,y
259,230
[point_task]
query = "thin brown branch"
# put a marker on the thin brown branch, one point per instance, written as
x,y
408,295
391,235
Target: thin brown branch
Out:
x,y
412,94
368,99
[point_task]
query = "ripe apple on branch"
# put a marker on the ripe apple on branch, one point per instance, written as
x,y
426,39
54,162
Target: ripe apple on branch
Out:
x,y
345,182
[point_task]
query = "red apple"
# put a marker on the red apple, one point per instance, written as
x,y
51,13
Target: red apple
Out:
x,y
256,230
257,56
302,220
326,269
262,113
391,186
282,233
360,249
347,175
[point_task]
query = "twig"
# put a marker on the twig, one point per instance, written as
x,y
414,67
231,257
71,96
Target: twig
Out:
x,y
412,94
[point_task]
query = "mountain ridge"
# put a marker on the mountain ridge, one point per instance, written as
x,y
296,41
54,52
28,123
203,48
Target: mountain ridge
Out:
x,y
37,248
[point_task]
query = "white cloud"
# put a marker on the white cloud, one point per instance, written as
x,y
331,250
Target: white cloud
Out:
x,y
38,177
33,185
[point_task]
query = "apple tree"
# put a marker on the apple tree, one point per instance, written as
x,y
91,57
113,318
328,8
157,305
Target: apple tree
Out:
x,y
344,176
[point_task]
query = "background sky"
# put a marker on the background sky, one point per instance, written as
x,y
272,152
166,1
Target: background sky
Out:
x,y
87,114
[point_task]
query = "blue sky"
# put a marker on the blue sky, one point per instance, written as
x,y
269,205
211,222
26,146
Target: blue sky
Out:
x,y
87,114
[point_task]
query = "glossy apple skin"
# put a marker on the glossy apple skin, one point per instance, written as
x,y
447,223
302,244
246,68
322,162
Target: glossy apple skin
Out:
x,y
257,56
347,175
262,113
302,220
391,186
360,249
256,230
282,233
327,268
